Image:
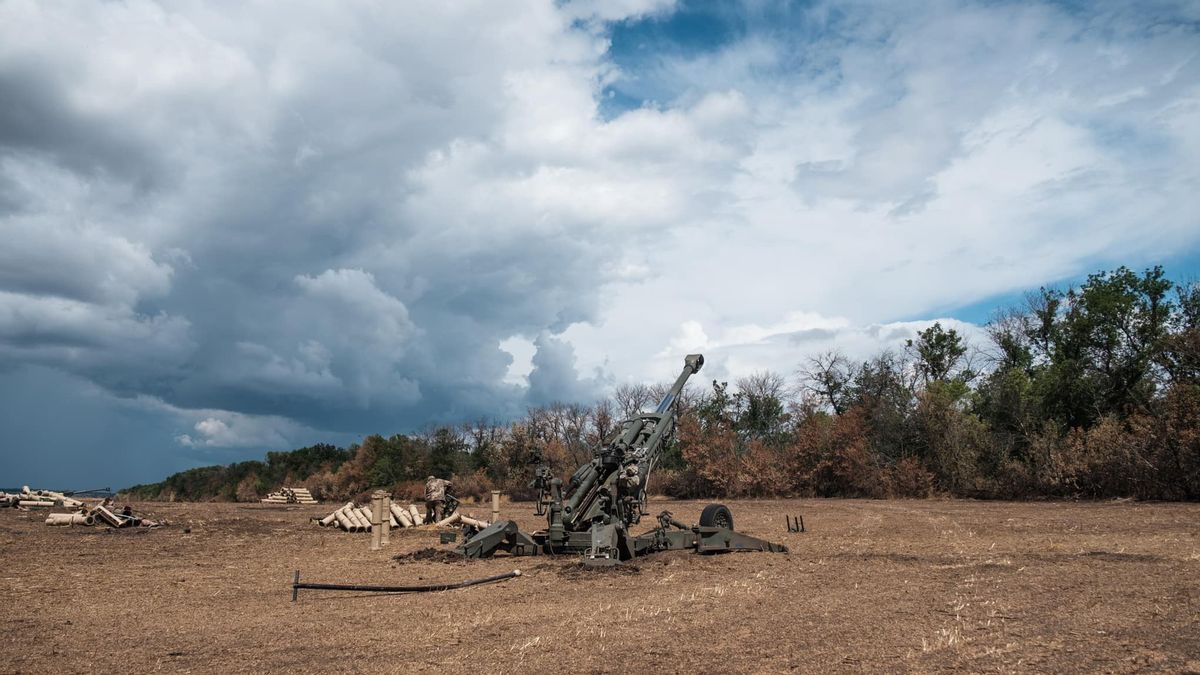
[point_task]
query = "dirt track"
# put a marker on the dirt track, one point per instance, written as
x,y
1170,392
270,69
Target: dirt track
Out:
x,y
873,585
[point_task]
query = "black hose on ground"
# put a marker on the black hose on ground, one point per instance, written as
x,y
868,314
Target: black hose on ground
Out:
x,y
296,585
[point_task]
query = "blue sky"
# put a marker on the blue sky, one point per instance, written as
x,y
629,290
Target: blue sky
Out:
x,y
222,241
1181,269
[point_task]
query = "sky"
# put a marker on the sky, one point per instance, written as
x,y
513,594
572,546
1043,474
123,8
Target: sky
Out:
x,y
230,228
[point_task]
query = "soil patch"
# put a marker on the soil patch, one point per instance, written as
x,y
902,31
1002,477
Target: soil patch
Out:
x,y
580,570
430,554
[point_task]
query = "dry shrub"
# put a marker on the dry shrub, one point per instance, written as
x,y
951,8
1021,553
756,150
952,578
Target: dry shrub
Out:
x,y
682,483
1104,461
1146,456
412,491
850,470
713,458
1014,479
671,483
830,457
1173,443
910,478
764,472
247,489
322,485
555,453
473,486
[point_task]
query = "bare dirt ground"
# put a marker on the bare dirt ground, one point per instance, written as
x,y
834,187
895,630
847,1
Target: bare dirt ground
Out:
x,y
872,586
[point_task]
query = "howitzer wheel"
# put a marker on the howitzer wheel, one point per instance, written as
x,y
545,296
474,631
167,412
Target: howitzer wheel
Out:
x,y
716,515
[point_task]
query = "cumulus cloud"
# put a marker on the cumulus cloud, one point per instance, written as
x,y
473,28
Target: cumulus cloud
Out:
x,y
215,429
896,162
554,377
345,224
785,348
212,432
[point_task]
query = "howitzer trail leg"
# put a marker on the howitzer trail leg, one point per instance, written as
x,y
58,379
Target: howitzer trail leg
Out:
x,y
502,535
703,539
720,539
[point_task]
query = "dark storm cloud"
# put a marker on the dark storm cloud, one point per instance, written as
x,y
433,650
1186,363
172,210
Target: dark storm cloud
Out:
x,y
236,226
37,116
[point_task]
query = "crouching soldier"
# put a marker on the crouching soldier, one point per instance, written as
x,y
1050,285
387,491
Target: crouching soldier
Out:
x,y
629,479
435,498
629,482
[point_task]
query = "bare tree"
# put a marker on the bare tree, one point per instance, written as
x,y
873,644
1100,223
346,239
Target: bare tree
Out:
x,y
569,424
483,437
764,398
828,376
603,423
1009,331
631,399
577,420
764,384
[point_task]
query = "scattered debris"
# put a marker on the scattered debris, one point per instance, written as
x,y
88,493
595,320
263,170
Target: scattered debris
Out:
x,y
101,514
353,518
28,499
289,495
70,519
81,513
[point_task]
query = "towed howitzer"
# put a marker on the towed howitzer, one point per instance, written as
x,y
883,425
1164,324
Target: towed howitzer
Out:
x,y
592,513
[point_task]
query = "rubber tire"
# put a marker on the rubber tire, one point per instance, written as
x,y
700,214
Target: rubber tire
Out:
x,y
716,515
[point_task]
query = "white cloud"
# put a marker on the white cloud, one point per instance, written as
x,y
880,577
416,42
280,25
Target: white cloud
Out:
x,y
350,300
614,10
215,428
908,161
521,350
212,432
342,222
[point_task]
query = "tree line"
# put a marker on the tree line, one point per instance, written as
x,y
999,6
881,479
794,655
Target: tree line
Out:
x,y
1092,392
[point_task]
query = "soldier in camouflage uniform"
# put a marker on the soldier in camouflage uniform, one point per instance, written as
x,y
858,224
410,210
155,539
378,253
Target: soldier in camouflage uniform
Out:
x,y
435,498
629,481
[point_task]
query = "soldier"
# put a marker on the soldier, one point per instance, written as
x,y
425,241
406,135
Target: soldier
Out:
x,y
541,483
435,497
629,479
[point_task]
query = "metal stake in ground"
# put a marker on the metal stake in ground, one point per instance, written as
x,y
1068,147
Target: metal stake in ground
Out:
x,y
296,585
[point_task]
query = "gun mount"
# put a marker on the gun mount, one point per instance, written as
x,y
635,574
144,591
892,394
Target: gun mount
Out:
x,y
591,514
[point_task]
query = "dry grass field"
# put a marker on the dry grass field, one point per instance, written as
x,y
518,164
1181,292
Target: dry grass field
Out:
x,y
924,586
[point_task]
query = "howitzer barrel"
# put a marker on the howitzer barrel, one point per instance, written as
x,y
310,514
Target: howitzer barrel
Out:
x,y
585,485
640,441
692,364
